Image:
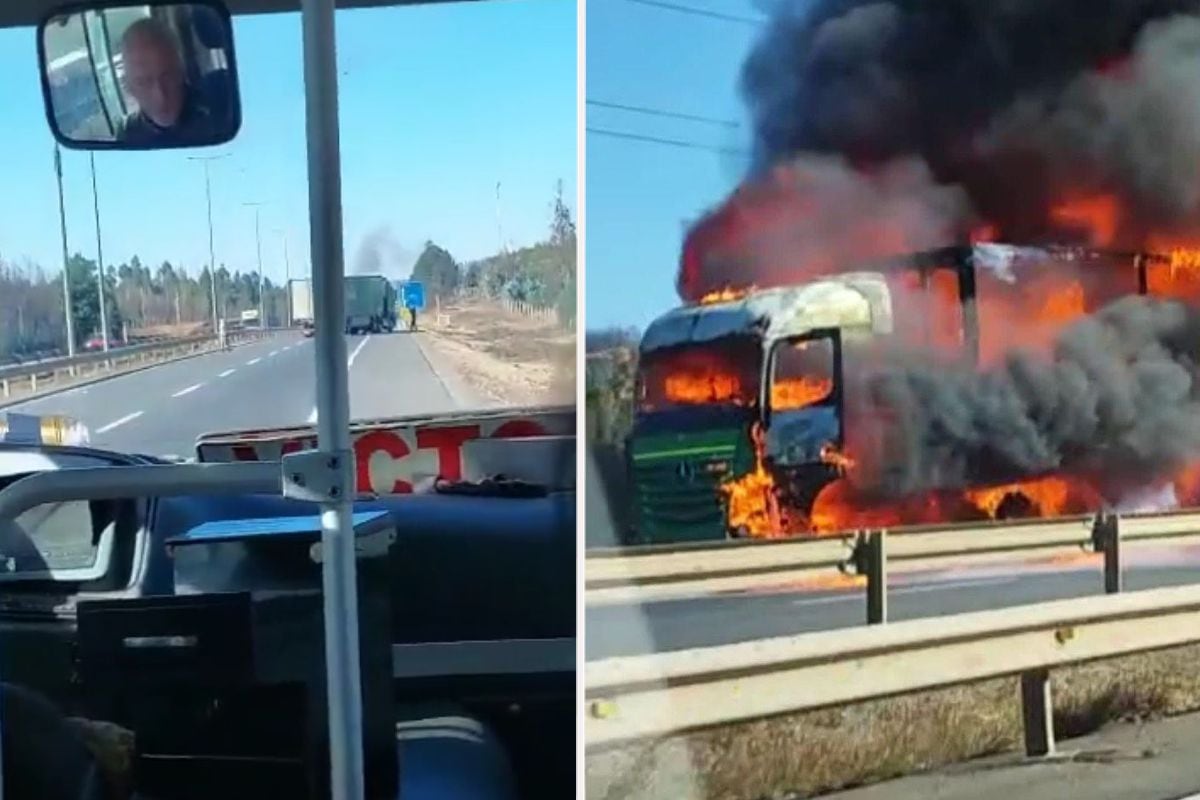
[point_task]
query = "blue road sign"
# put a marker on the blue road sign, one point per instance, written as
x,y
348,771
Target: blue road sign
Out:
x,y
414,295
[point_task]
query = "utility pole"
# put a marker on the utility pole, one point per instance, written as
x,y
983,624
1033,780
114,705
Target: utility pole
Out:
x,y
287,271
212,263
262,308
62,223
499,226
99,257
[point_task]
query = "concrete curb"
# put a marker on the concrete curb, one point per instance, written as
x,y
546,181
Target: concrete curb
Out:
x,y
459,390
92,381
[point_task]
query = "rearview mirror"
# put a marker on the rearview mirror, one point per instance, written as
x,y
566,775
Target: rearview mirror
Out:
x,y
140,77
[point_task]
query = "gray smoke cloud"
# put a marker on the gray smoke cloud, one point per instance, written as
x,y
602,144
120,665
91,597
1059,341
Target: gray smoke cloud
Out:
x,y
1017,101
1118,398
381,253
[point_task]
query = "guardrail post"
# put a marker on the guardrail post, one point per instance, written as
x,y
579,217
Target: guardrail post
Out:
x,y
33,382
4,387
1106,539
876,569
1037,713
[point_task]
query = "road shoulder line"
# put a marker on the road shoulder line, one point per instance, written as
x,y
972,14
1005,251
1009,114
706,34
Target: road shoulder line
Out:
x,y
460,392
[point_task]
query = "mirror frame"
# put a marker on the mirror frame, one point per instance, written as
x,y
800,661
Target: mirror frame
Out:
x,y
102,5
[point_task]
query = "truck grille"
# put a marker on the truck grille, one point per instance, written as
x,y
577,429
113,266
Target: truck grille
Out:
x,y
682,493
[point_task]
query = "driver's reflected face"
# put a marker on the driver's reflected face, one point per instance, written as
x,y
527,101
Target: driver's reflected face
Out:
x,y
154,73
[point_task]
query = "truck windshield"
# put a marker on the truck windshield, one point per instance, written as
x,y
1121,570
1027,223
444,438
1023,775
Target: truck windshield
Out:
x,y
719,373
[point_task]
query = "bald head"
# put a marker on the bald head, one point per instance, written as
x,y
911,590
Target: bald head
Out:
x,y
153,71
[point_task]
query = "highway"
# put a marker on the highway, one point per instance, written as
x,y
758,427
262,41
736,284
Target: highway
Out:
x,y
162,410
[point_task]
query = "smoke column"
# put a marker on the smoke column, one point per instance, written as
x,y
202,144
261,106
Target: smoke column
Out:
x,y
1118,396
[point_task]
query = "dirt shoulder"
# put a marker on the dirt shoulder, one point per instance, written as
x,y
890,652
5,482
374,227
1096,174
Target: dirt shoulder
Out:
x,y
921,735
505,359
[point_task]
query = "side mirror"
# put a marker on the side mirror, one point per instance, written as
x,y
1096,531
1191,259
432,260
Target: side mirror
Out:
x,y
140,77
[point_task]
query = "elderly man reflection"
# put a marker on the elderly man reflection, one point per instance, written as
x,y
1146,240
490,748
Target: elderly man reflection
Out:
x,y
169,110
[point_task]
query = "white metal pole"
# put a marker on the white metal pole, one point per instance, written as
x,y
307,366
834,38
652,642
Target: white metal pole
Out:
x,y
99,257
338,569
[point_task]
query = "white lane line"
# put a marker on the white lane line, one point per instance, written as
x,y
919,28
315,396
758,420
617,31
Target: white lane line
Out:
x,y
358,350
272,353
118,423
289,347
964,584
188,390
312,418
253,361
227,373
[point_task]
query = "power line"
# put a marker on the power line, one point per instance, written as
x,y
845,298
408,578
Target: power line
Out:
x,y
638,137
699,12
657,112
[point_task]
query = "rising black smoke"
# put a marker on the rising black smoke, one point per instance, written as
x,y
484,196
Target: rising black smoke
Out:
x,y
1021,102
1118,397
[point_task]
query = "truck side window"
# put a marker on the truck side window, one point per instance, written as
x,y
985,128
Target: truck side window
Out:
x,y
803,374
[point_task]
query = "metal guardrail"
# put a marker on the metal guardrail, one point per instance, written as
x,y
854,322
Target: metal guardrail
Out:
x,y
29,378
650,696
625,575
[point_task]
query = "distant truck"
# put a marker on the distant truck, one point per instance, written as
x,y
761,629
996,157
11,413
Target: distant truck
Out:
x,y
370,304
300,302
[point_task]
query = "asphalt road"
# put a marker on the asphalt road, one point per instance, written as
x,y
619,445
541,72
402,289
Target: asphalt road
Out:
x,y
785,610
162,410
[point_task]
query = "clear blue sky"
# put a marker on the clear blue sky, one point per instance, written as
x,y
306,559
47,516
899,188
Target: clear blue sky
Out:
x,y
640,194
438,103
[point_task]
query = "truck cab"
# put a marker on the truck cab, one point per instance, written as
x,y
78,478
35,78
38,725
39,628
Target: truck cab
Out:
x,y
725,389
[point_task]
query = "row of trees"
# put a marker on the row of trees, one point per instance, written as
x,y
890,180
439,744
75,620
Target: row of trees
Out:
x,y
541,275
32,322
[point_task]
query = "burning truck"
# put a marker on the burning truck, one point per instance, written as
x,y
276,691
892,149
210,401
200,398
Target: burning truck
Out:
x,y
1053,375
970,383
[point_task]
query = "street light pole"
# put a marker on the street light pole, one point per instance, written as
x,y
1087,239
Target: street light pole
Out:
x,y
287,271
262,308
62,223
212,262
99,257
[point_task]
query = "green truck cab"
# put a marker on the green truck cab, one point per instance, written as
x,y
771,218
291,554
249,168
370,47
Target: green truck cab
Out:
x,y
730,388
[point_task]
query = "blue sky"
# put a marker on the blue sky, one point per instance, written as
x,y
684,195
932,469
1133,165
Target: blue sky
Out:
x,y
438,104
640,194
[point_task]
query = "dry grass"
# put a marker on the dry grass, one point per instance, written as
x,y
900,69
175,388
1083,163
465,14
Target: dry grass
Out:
x,y
508,359
808,754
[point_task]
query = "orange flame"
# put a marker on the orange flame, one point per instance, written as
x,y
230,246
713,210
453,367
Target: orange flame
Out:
x,y
726,295
752,504
1097,215
799,392
831,455
696,389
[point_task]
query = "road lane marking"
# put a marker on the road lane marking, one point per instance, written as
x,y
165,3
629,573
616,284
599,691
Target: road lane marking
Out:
x,y
312,418
272,353
253,361
118,423
227,373
358,350
964,584
188,390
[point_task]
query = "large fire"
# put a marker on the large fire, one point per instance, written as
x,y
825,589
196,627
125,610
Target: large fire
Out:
x,y
1060,150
